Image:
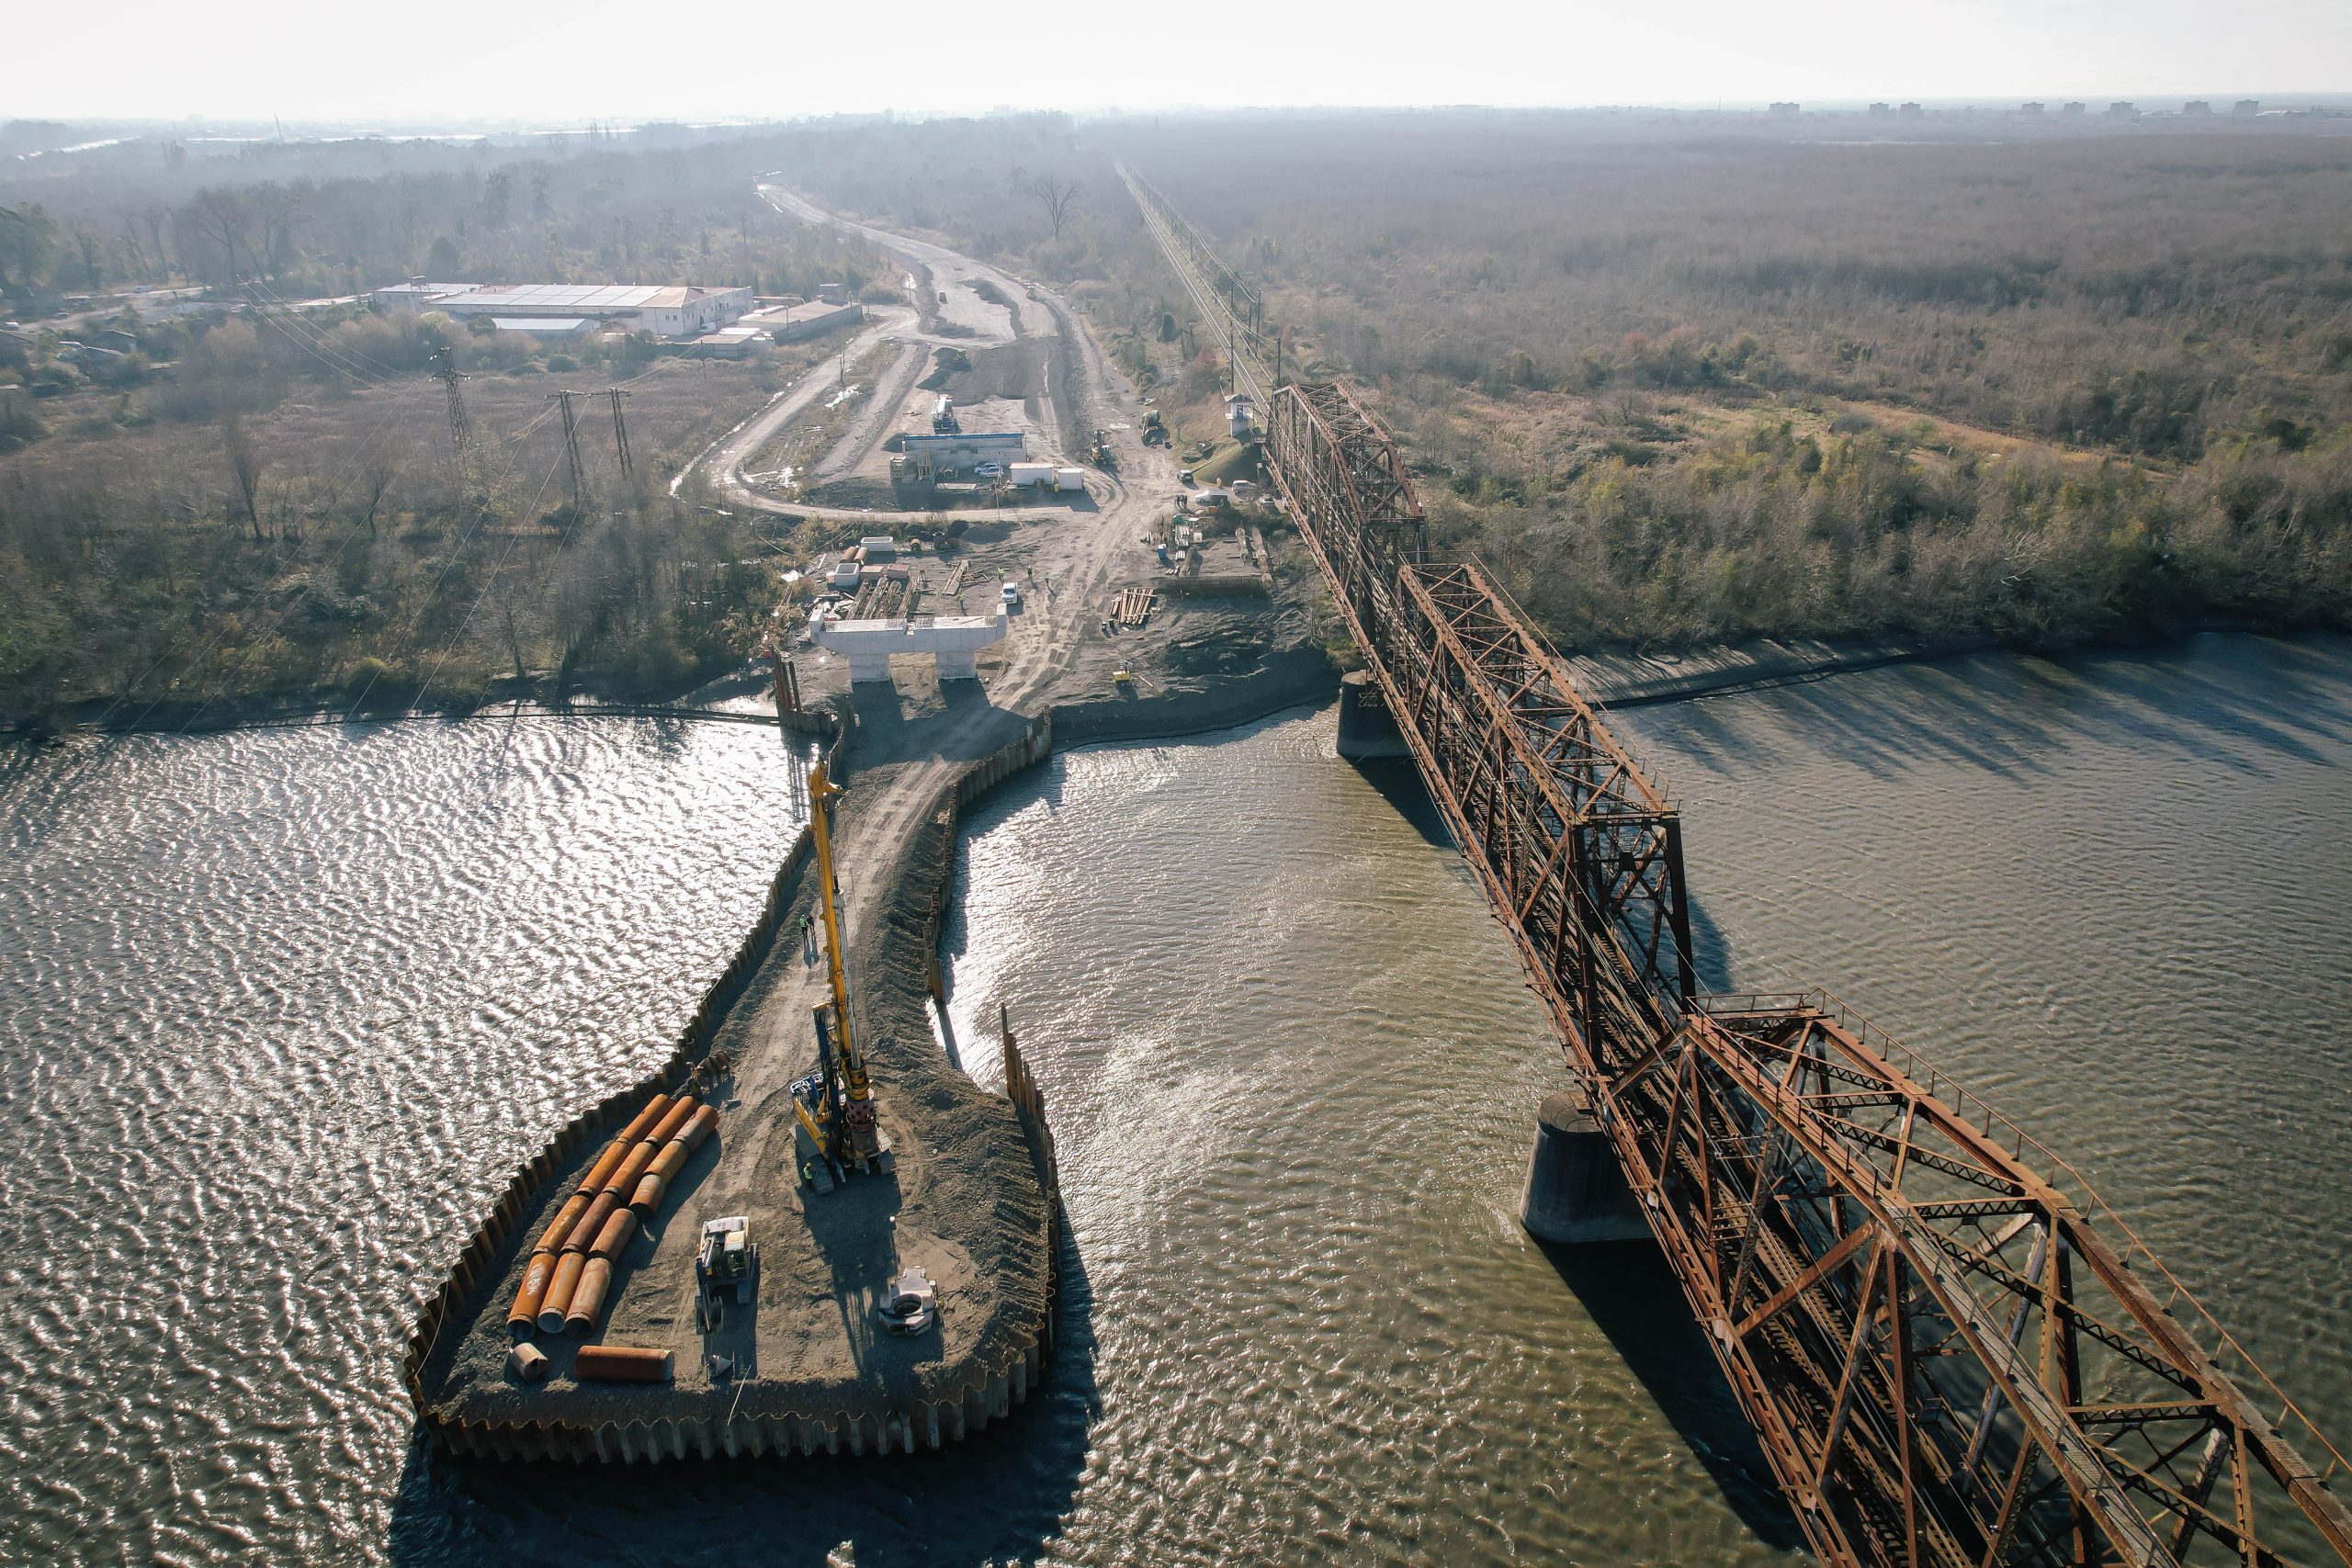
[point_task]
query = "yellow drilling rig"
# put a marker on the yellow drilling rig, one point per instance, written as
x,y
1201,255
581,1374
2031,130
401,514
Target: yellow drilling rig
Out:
x,y
839,1130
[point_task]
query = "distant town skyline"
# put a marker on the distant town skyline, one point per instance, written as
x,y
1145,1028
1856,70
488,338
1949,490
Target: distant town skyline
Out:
x,y
507,62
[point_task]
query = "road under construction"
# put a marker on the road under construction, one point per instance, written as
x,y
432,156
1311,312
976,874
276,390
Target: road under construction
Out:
x,y
1951,1350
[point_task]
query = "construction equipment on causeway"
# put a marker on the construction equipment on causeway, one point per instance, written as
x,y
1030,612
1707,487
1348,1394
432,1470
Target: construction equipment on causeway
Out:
x,y
1951,1352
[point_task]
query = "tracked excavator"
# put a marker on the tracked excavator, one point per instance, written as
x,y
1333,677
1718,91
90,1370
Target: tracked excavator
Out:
x,y
839,1132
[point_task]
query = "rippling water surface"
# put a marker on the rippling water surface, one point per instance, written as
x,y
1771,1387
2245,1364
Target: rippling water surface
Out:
x,y
283,1010
1292,1068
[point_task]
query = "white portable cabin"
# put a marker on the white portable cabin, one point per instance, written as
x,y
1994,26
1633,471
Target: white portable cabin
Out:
x,y
1069,478
1030,474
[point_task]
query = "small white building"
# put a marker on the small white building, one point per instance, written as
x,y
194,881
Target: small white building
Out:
x,y
1240,415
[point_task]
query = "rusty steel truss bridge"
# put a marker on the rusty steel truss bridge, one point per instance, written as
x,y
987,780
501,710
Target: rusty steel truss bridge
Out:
x,y
1952,1353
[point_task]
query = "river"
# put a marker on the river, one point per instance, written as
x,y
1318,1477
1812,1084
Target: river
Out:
x,y
1291,1066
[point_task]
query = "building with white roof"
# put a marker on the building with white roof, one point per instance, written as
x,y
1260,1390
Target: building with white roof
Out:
x,y
671,311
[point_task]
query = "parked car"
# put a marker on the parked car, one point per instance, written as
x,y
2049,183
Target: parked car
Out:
x,y
1013,595
990,471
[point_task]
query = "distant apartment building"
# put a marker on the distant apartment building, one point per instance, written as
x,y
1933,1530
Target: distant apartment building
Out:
x,y
2073,111
1912,111
2030,111
2122,109
1782,111
2196,106
1881,111
2247,107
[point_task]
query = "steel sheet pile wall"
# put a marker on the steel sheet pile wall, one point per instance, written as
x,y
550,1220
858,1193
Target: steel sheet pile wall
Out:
x,y
471,1270
746,1427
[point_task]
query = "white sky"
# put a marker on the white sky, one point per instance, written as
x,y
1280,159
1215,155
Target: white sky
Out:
x,y
601,59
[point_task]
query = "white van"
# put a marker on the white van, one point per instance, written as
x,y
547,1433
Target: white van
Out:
x,y
1012,596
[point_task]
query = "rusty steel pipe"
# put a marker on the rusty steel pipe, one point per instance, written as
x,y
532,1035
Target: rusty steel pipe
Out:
x,y
704,1123
592,1223
615,1233
551,1238
621,1363
669,1162
588,1299
667,1128
607,1163
557,1301
623,1182
647,1196
525,1314
644,1121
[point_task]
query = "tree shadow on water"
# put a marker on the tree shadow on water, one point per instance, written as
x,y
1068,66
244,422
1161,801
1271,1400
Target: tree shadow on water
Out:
x,y
1633,1300
1000,1496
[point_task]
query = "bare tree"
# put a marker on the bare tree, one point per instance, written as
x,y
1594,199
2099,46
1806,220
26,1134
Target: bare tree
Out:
x,y
370,484
244,466
1057,196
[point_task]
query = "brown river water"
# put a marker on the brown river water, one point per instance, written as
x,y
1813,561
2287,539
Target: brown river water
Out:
x,y
282,1010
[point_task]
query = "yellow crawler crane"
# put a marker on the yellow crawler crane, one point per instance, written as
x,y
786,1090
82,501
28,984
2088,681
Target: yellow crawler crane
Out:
x,y
834,1105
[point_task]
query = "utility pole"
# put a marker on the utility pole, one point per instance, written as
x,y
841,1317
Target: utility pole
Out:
x,y
620,437
461,431
572,456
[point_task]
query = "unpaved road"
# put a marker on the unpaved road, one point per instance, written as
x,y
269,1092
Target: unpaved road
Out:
x,y
971,322
810,1338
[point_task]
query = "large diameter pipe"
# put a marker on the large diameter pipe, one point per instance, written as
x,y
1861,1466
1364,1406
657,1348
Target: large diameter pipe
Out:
x,y
557,1301
592,1223
551,1238
644,1121
700,1126
669,1162
607,1163
647,1198
588,1299
672,1120
525,1314
621,1363
615,1233
624,1181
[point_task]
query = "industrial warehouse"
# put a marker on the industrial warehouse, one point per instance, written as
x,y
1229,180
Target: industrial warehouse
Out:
x,y
671,311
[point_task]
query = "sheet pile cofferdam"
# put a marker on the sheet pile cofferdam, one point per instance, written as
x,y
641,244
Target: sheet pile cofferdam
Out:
x,y
1951,1351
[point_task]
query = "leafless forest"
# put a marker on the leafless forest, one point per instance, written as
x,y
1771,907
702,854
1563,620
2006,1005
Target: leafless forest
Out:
x,y
1679,380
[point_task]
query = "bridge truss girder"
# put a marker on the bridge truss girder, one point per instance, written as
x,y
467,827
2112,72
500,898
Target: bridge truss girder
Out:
x,y
1944,1362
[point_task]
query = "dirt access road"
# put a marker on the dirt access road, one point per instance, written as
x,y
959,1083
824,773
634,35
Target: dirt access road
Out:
x,y
810,1342
968,319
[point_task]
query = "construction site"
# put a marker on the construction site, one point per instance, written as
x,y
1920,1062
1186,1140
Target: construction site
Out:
x,y
810,1231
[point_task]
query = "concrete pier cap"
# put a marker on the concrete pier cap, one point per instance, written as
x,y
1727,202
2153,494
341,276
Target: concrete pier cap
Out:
x,y
1576,1191
954,641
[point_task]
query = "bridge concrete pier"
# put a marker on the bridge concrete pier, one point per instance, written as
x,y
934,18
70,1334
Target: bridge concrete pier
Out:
x,y
1367,729
954,641
1576,1190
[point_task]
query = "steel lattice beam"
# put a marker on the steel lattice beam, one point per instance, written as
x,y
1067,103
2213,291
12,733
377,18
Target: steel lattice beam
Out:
x,y
1947,1362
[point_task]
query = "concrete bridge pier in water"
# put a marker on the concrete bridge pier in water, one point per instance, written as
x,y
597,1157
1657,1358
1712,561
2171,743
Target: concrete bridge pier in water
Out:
x,y
1576,1190
1367,731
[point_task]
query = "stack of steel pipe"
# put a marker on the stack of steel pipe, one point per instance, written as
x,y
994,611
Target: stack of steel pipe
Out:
x,y
569,1279
560,1255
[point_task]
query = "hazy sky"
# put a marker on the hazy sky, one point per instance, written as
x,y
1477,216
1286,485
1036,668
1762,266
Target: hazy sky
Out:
x,y
568,63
